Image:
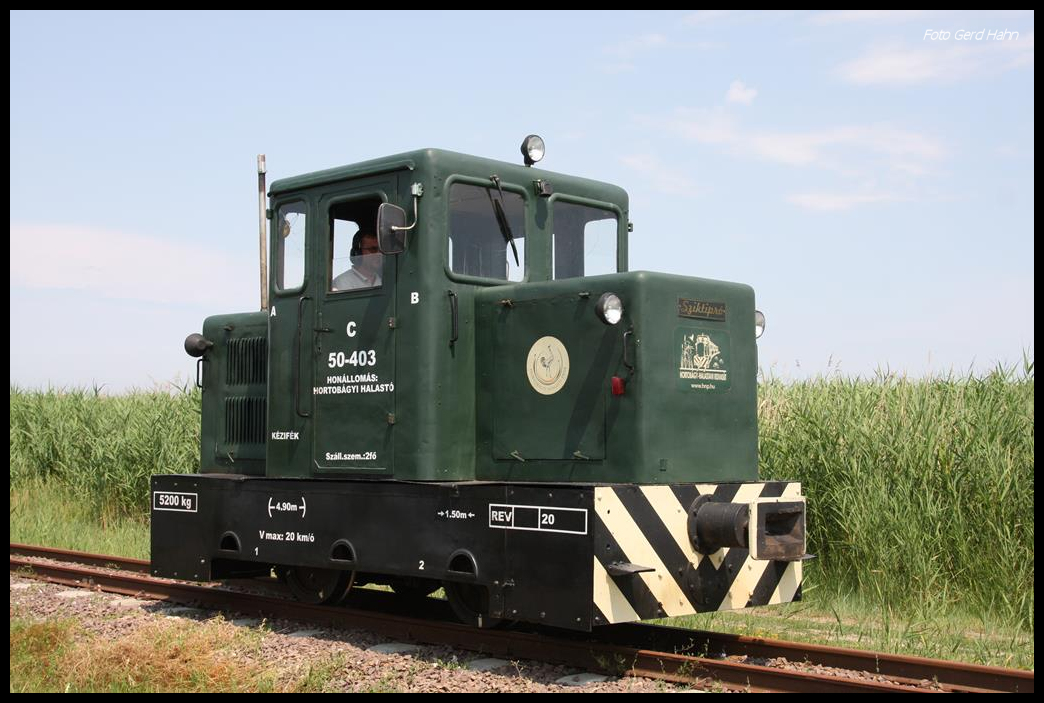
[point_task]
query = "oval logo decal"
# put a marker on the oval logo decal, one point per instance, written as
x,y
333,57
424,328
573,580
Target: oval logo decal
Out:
x,y
547,365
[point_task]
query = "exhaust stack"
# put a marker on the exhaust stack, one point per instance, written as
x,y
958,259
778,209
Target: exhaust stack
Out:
x,y
263,234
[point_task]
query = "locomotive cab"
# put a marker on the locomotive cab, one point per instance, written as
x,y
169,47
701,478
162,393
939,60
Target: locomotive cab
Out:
x,y
368,380
458,381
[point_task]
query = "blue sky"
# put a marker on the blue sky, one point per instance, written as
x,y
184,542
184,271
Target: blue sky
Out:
x,y
872,181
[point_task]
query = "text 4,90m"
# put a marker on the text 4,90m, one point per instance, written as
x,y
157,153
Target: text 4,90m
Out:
x,y
365,357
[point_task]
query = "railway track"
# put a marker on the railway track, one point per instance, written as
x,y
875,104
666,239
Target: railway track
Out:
x,y
670,654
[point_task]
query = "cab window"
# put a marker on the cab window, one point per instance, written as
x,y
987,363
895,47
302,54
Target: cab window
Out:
x,y
290,245
583,240
478,244
354,262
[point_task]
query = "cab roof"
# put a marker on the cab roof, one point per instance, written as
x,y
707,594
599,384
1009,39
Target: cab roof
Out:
x,y
440,163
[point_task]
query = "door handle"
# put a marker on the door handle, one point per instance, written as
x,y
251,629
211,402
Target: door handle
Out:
x,y
453,317
297,357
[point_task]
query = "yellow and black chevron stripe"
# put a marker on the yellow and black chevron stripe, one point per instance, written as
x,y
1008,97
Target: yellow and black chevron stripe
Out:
x,y
647,526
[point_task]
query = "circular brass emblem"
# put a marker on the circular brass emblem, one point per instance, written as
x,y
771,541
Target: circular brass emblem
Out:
x,y
547,365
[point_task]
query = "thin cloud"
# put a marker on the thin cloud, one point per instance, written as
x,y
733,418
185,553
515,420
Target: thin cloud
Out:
x,y
832,148
623,53
888,159
122,266
706,16
833,202
635,45
941,61
740,93
866,16
618,67
661,177
712,126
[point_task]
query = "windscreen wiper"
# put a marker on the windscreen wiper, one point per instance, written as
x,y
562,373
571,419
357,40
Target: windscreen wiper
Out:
x,y
502,221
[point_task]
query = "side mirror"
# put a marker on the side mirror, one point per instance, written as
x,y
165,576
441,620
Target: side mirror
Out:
x,y
391,229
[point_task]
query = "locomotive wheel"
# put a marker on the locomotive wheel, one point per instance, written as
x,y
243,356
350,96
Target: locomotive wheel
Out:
x,y
319,586
470,602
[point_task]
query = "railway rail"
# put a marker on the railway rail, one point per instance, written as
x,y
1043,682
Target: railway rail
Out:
x,y
671,654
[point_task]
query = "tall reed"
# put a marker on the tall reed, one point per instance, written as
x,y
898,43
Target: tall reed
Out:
x,y
920,492
104,448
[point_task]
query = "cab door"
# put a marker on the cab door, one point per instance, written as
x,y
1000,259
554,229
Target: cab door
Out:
x,y
291,313
354,371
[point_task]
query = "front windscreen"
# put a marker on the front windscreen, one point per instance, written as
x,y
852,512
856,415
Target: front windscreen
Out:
x,y
480,245
583,240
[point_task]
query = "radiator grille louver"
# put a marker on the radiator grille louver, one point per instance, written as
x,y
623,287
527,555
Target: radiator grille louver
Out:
x,y
245,420
247,361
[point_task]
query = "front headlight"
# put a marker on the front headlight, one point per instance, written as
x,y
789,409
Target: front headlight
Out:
x,y
759,323
609,308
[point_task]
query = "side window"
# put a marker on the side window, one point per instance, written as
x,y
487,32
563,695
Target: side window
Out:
x,y
355,262
480,242
583,240
290,245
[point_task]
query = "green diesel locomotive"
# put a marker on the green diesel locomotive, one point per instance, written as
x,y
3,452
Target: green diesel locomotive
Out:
x,y
455,381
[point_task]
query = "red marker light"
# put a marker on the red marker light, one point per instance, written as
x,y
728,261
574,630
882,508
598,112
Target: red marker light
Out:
x,y
618,385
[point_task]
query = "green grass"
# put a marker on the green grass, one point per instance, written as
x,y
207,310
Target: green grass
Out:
x,y
37,650
920,492
846,621
321,674
50,515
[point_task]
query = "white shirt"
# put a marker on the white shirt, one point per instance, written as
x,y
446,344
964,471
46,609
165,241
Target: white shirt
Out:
x,y
353,279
